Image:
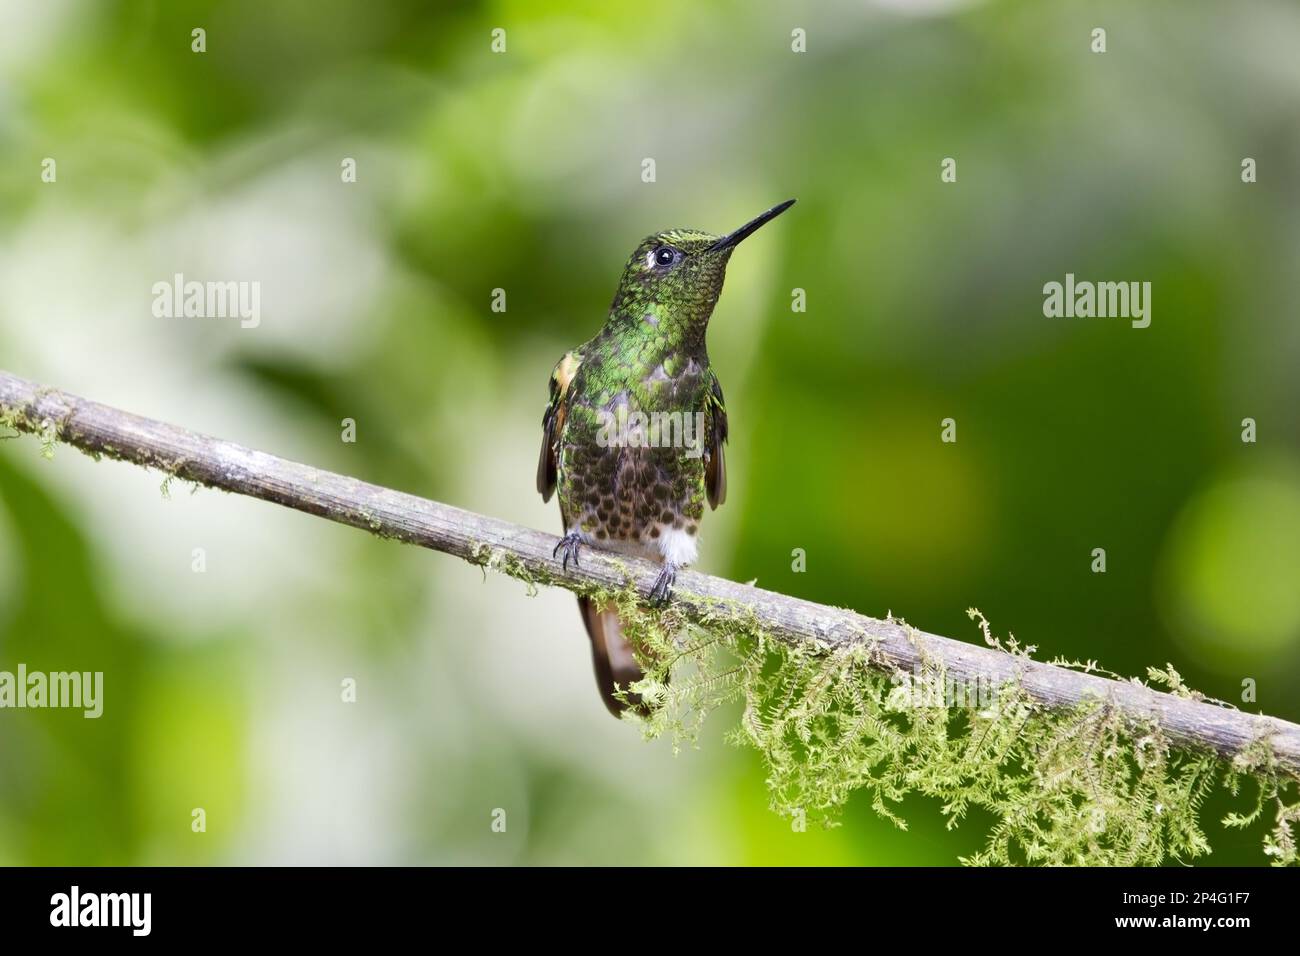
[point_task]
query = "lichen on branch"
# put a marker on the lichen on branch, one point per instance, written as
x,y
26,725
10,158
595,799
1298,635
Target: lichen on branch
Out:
x,y
1084,785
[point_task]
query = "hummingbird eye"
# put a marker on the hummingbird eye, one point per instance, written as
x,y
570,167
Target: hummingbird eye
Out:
x,y
665,256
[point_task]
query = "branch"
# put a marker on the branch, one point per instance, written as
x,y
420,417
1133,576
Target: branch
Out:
x,y
481,540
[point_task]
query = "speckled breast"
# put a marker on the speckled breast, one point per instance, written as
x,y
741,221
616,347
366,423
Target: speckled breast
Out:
x,y
633,466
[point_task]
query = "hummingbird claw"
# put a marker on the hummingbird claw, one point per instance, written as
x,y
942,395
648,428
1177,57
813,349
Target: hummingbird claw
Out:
x,y
569,543
662,590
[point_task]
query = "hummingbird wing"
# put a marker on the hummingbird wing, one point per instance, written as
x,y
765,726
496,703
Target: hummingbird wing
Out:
x,y
553,423
715,469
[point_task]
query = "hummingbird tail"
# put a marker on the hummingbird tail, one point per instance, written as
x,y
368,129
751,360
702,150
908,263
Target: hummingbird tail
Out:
x,y
611,655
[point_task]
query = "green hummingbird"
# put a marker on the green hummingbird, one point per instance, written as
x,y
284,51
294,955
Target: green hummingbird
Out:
x,y
633,434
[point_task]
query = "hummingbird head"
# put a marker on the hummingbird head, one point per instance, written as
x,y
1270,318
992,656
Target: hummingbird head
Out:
x,y
673,279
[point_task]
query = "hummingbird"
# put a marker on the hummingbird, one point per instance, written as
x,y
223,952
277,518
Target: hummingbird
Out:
x,y
632,436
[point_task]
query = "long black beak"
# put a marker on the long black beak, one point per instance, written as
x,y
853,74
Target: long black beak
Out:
x,y
748,229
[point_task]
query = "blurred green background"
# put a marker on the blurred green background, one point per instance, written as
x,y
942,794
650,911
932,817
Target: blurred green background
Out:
x,y
522,171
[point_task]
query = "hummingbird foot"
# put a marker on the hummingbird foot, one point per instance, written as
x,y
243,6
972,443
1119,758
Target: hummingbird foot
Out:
x,y
569,543
663,586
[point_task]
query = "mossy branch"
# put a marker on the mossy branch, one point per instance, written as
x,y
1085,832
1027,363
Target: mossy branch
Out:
x,y
1072,720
